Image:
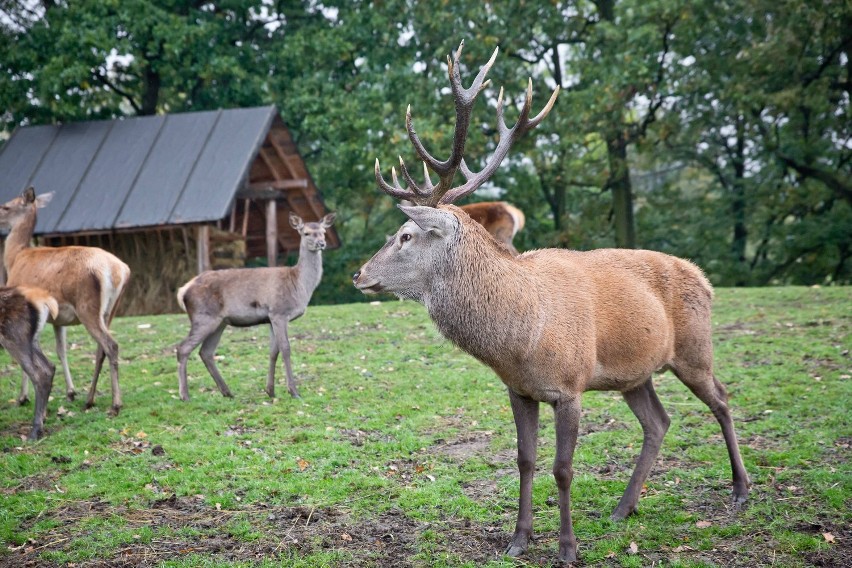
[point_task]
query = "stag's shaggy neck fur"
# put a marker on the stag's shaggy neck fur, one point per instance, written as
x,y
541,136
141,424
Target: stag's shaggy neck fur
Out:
x,y
468,299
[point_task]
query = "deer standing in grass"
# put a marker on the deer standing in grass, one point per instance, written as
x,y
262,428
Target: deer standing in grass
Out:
x,y
23,313
551,323
503,220
245,297
87,283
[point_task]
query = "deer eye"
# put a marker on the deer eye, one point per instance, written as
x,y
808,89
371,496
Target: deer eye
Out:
x,y
405,237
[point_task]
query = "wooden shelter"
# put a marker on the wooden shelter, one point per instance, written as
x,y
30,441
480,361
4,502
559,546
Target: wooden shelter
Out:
x,y
172,195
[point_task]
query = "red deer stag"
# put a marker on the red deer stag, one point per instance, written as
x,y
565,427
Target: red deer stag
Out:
x,y
551,323
87,282
23,313
502,220
245,297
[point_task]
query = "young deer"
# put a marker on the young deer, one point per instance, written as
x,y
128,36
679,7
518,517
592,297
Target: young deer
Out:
x,y
87,283
551,323
245,297
23,313
502,220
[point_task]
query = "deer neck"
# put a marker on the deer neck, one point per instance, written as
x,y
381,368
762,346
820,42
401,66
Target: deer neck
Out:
x,y
482,300
19,239
309,267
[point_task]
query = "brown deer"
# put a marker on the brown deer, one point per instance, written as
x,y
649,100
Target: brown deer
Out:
x,y
23,313
245,297
502,220
551,323
87,282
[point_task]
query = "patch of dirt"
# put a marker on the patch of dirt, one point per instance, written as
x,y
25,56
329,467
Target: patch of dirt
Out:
x,y
358,437
388,539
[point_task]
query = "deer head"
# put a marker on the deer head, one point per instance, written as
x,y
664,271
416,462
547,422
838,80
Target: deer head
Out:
x,y
14,210
313,234
433,229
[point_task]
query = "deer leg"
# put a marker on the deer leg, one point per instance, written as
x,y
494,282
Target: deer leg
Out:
x,y
107,346
60,334
24,396
713,393
279,330
273,360
40,370
200,329
567,414
525,411
652,416
208,355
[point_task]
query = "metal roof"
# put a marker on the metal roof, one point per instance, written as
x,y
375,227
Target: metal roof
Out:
x,y
135,172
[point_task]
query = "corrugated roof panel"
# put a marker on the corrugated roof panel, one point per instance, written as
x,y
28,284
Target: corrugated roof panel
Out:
x,y
166,170
20,156
64,166
110,177
223,164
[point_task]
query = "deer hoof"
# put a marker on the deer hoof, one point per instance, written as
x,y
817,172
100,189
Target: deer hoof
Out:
x,y
71,395
514,550
567,555
621,513
23,401
35,434
114,410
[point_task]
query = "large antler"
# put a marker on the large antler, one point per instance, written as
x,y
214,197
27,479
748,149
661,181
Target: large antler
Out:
x,y
443,192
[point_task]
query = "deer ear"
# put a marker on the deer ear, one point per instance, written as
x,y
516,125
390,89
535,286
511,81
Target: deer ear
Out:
x,y
437,221
328,220
43,199
296,221
29,194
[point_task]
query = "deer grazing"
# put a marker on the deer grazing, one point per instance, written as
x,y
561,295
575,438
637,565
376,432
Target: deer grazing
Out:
x,y
87,283
551,323
245,297
502,220
23,313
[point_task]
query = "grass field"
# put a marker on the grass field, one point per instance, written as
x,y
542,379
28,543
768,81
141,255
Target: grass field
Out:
x,y
401,452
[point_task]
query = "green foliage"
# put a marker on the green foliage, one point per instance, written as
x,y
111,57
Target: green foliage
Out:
x,y
724,128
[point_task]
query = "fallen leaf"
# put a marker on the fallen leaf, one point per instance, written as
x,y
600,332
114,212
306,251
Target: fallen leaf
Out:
x,y
141,434
681,548
828,537
633,549
346,537
703,524
303,464
611,554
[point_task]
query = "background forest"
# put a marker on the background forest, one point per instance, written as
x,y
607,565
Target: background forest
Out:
x,y
714,130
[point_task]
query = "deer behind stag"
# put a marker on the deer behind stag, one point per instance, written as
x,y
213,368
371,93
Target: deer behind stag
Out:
x,y
551,323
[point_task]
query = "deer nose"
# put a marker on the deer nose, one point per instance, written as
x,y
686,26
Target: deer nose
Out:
x,y
356,276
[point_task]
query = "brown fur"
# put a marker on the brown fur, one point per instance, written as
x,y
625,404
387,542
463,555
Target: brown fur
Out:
x,y
23,312
87,283
502,220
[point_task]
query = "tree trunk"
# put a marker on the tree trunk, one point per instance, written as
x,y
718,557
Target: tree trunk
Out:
x,y
738,205
622,191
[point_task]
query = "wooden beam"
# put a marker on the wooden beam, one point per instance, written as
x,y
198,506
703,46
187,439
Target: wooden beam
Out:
x,y
271,232
202,236
270,189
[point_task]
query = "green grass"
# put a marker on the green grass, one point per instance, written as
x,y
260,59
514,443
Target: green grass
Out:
x,y
401,451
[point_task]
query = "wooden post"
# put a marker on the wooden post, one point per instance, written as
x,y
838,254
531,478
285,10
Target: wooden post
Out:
x,y
271,232
203,242
246,205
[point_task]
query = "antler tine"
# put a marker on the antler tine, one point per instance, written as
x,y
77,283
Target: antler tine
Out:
x,y
410,180
397,192
507,137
